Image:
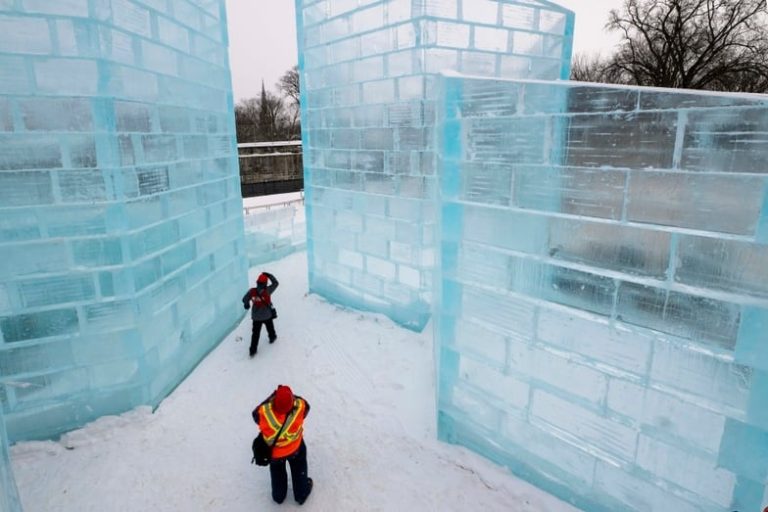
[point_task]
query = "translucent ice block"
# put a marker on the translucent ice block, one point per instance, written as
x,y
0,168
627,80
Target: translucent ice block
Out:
x,y
118,205
9,497
368,74
275,232
602,282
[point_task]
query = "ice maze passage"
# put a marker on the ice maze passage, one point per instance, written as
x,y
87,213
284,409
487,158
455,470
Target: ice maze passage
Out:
x,y
368,72
603,302
121,223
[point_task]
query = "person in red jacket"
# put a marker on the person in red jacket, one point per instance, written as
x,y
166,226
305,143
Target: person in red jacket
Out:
x,y
263,311
284,413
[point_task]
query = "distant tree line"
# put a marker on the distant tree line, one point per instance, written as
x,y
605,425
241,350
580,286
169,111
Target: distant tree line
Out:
x,y
271,116
719,45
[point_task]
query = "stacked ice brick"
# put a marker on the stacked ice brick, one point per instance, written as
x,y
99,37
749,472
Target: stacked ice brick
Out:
x,y
9,498
121,225
273,233
369,70
603,307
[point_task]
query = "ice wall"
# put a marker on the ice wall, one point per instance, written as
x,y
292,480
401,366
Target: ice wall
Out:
x,y
368,77
276,232
9,497
121,225
603,293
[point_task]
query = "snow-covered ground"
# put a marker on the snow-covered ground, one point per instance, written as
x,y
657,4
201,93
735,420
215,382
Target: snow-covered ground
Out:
x,y
271,200
370,434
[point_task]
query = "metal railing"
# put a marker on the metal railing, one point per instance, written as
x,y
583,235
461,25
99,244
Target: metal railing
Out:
x,y
277,204
276,144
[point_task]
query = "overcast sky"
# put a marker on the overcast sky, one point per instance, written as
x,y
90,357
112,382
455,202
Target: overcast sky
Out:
x,y
262,38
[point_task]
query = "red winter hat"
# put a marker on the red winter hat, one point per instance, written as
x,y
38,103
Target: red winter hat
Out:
x,y
262,279
283,401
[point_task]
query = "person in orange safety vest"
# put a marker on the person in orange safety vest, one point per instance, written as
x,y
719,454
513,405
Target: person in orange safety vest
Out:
x,y
284,413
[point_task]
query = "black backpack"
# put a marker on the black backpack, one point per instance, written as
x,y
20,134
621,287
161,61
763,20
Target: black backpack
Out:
x,y
262,452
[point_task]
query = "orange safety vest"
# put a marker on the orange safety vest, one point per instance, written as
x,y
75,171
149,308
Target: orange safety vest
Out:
x,y
271,421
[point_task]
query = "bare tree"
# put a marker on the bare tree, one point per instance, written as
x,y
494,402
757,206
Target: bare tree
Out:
x,y
592,68
289,84
247,120
262,119
695,44
270,116
745,82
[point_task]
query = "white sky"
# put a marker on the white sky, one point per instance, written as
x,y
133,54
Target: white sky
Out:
x,y
262,38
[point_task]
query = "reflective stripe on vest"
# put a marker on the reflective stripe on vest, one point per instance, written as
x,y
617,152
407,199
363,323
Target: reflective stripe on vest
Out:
x,y
294,427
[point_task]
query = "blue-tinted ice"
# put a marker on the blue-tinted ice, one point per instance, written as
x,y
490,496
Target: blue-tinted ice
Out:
x,y
9,497
602,310
121,227
601,295
369,72
273,233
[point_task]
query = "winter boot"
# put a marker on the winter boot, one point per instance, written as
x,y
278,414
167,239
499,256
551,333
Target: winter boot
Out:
x,y
309,491
273,338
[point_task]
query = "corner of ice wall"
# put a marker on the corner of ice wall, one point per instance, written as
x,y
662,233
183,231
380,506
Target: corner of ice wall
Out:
x,y
9,496
369,75
123,247
609,344
410,315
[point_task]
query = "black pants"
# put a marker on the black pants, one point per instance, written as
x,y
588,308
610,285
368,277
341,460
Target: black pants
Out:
x,y
298,463
257,332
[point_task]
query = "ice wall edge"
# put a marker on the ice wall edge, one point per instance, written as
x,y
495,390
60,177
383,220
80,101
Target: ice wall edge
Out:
x,y
369,83
602,295
122,234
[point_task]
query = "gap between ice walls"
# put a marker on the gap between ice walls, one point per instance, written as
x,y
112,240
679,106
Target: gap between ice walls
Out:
x,y
602,301
122,223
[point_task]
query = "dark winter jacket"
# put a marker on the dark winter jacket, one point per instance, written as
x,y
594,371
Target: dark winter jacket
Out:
x,y
261,311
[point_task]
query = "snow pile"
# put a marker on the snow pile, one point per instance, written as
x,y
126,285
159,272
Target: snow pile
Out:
x,y
370,434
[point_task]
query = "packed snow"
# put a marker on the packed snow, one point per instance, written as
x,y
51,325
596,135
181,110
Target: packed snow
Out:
x,y
370,434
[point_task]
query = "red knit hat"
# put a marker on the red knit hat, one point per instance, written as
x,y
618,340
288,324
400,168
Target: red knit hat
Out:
x,y
283,401
262,279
